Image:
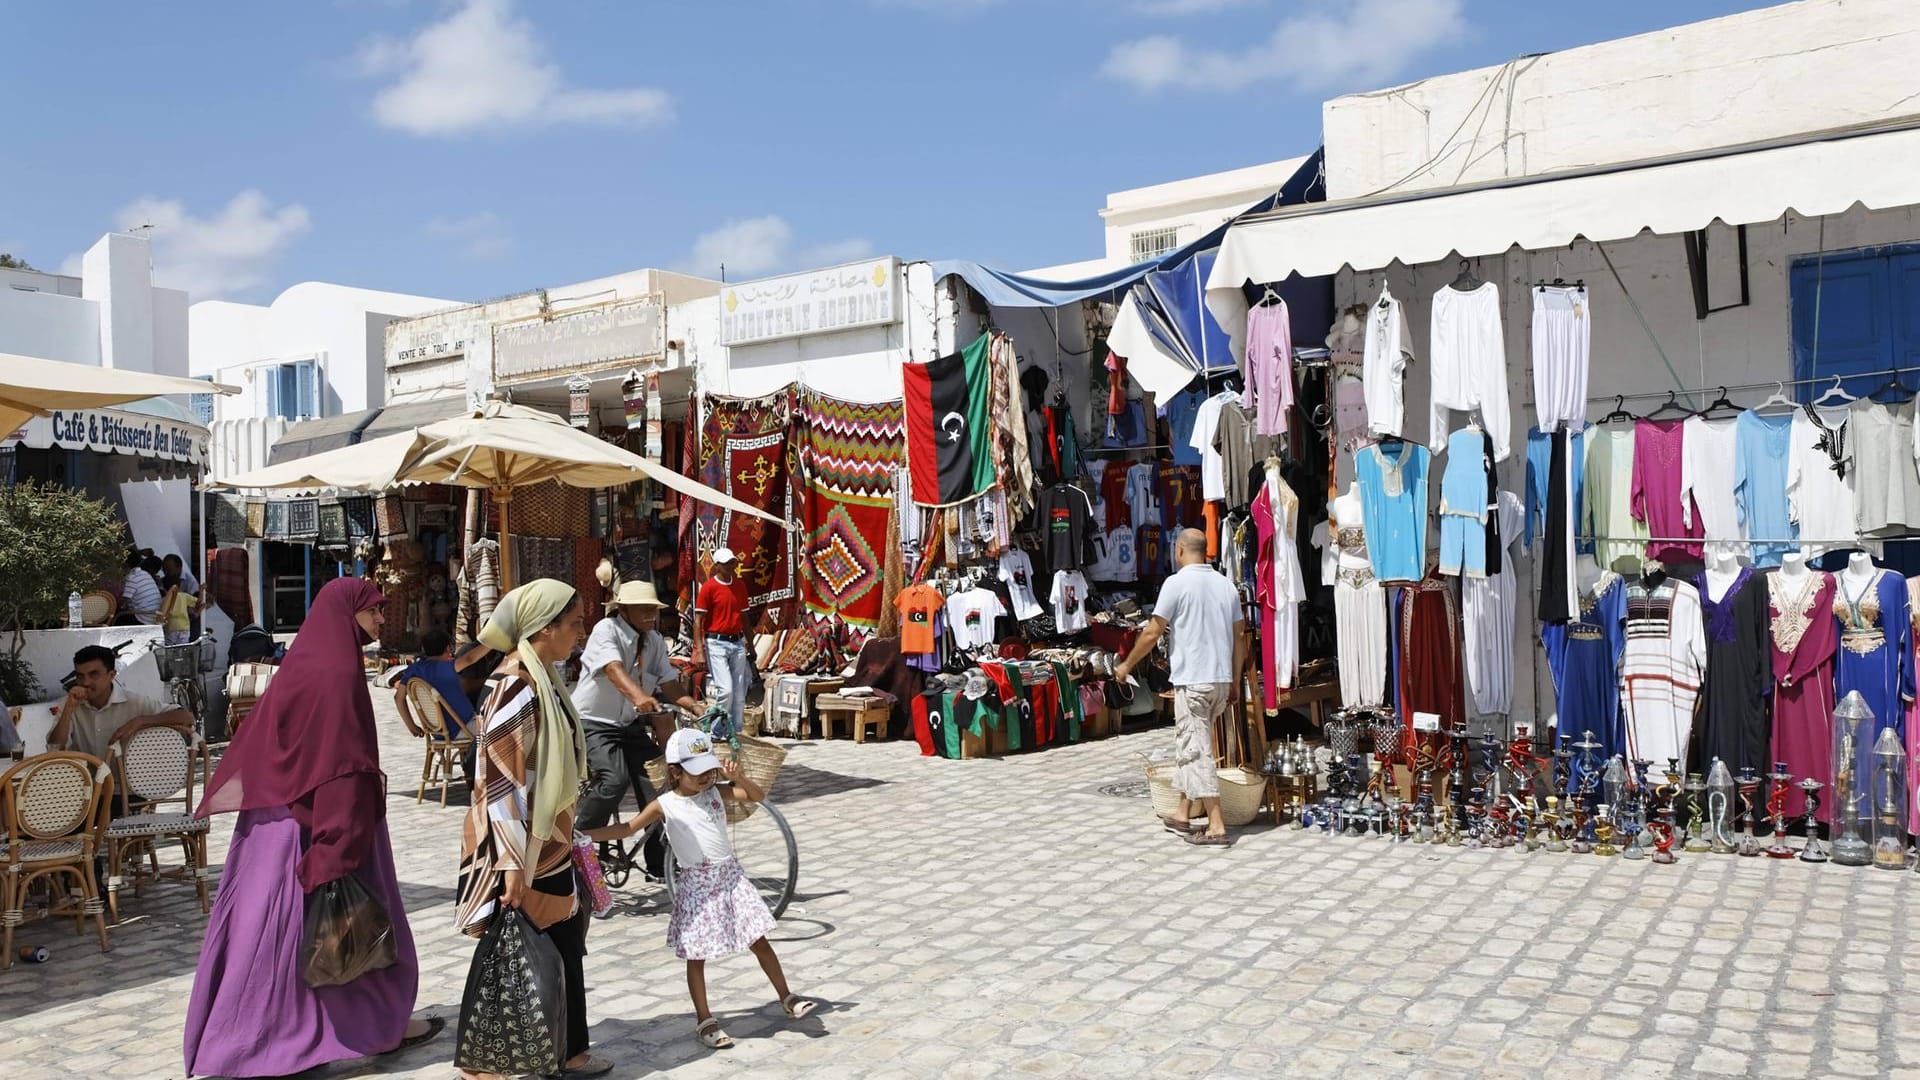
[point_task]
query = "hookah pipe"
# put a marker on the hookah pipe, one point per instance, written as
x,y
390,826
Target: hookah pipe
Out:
x,y
1458,784
1777,810
1747,784
1423,765
1661,824
1718,813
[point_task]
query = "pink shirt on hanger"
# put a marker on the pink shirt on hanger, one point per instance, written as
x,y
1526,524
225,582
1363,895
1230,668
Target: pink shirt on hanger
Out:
x,y
1656,497
1269,367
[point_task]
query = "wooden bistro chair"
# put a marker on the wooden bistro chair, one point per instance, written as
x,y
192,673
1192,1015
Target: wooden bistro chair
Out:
x,y
98,608
444,749
55,810
160,766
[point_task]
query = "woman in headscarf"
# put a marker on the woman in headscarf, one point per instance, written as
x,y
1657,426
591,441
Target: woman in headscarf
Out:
x,y
303,774
531,763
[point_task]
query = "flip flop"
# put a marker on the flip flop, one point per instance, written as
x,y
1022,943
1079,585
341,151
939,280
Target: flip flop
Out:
x,y
711,1036
1200,839
797,1006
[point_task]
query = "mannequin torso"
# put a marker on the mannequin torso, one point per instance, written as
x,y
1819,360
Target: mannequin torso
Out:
x,y
1722,571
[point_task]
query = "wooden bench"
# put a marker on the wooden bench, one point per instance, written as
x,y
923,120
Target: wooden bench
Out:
x,y
856,712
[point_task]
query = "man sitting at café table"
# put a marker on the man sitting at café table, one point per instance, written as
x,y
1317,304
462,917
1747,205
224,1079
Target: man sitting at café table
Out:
x,y
99,710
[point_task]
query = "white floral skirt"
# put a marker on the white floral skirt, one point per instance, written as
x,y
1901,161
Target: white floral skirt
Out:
x,y
716,911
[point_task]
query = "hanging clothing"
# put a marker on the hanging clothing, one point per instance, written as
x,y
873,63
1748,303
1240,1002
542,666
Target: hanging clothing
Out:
x,y
1708,450
1880,460
1430,674
1392,481
1388,352
1801,644
1463,506
1608,516
1468,363
1012,461
1142,502
1819,484
1562,335
1066,516
1180,411
1359,603
1242,452
1660,668
1913,710
1269,366
1875,655
1658,502
1761,450
1739,672
1205,426
1584,656
1495,545
1279,588
1554,494
1540,472
1486,609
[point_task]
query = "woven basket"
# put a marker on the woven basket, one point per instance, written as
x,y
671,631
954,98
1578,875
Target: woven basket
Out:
x,y
1241,793
759,760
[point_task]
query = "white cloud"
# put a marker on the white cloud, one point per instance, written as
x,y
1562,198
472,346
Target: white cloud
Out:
x,y
1360,42
481,69
755,247
1175,8
226,253
482,237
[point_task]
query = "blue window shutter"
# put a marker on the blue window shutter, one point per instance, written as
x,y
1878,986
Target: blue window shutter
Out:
x,y
1842,320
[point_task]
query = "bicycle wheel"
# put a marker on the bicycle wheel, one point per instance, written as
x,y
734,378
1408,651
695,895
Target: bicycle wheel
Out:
x,y
768,854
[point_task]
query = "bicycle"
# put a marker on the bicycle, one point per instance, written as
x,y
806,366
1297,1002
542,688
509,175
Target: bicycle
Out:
x,y
181,668
766,850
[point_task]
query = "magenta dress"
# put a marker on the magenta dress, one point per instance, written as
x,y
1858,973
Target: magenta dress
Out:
x,y
1656,492
1804,635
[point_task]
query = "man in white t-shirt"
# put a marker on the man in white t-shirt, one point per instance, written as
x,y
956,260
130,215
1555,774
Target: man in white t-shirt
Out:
x,y
1208,653
1016,570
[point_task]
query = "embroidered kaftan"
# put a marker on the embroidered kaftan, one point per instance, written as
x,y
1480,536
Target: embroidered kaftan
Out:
x,y
1392,482
1584,656
1738,673
1359,603
1875,655
1659,502
1802,646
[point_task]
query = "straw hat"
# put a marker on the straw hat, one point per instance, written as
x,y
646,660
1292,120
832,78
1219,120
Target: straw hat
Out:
x,y
635,594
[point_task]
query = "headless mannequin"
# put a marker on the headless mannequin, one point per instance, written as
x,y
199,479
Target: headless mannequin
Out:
x,y
1793,568
1586,574
1722,570
1858,576
1346,512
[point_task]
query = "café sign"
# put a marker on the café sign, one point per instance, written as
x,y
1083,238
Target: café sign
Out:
x,y
816,302
111,431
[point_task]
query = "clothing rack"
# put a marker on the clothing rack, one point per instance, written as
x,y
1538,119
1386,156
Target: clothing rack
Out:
x,y
1122,449
1837,543
1746,388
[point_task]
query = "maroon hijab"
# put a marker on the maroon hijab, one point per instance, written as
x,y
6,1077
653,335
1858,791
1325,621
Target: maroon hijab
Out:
x,y
315,721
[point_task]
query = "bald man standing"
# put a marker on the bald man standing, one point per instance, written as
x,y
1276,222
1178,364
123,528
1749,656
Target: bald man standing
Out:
x,y
1208,653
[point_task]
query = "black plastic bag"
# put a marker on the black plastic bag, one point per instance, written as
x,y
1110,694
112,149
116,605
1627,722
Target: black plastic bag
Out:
x,y
513,1016
347,934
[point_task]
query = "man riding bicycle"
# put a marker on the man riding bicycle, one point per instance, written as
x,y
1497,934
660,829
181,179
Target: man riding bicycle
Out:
x,y
624,672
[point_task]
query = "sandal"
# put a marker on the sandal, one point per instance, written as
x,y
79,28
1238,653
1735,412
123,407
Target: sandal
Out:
x,y
1200,839
1175,825
711,1035
797,1006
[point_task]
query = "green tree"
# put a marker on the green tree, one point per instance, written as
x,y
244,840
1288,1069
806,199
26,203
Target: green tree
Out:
x,y
53,541
10,262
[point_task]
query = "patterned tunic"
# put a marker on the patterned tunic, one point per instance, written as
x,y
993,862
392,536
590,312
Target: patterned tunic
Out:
x,y
1660,668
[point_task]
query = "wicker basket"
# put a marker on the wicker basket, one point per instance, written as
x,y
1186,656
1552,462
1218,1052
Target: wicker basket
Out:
x,y
1241,793
759,759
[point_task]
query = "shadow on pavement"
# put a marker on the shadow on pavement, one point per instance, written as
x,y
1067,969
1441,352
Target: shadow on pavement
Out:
x,y
798,783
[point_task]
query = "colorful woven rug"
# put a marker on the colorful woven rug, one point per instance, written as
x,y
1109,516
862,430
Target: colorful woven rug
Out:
x,y
744,449
850,454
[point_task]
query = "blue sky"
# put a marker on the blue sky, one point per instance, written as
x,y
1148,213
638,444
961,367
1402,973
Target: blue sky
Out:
x,y
472,148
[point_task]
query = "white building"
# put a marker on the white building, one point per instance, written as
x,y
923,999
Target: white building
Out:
x,y
1713,185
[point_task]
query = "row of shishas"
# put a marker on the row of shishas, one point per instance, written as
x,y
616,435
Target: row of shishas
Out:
x,y
1621,808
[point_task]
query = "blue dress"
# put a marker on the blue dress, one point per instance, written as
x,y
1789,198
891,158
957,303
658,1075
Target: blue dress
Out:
x,y
1760,448
1875,657
1540,476
1393,501
1584,656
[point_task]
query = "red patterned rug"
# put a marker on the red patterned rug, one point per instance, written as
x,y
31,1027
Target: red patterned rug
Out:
x,y
744,450
850,454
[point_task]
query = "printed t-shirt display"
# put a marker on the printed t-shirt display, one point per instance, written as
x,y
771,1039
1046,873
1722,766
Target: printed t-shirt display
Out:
x,y
970,617
1016,570
918,604
1066,514
1069,597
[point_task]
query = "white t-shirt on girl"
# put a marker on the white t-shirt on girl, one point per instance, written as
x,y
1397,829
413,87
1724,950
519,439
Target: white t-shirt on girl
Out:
x,y
1069,599
696,827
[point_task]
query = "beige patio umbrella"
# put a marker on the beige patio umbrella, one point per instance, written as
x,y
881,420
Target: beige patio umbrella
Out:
x,y
499,448
30,387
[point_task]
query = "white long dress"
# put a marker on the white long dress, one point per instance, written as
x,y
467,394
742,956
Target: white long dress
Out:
x,y
1661,667
1486,612
1359,603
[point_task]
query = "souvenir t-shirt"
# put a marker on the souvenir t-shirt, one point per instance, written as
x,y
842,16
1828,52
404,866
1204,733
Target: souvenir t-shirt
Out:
x,y
1066,514
1016,569
1069,598
917,605
970,617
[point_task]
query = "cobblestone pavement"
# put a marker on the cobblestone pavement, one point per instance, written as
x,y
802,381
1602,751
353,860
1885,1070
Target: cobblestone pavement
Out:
x,y
1006,918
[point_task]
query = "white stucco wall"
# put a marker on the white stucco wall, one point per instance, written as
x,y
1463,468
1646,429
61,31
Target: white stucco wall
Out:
x,y
856,365
49,326
1758,75
109,316
1740,345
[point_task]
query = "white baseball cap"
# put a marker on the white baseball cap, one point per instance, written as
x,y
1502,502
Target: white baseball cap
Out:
x,y
692,751
723,555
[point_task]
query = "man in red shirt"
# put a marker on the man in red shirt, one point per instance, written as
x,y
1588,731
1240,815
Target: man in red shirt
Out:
x,y
720,634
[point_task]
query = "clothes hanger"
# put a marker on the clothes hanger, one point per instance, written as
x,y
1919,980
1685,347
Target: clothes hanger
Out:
x,y
1267,297
1777,399
1466,282
1834,391
1893,383
1672,402
1619,412
1721,402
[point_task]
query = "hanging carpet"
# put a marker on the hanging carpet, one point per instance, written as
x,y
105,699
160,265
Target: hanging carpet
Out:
x,y
744,449
850,564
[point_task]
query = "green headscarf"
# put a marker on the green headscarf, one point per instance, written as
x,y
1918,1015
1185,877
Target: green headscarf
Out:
x,y
520,614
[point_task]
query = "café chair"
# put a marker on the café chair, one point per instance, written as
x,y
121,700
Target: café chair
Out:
x,y
157,766
54,807
444,749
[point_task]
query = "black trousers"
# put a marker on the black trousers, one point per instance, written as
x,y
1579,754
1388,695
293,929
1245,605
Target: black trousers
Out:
x,y
569,937
617,762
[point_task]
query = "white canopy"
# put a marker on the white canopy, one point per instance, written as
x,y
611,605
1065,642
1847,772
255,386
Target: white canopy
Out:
x,y
1828,176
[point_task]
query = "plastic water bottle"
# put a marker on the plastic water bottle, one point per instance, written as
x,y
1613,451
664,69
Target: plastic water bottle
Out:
x,y
75,614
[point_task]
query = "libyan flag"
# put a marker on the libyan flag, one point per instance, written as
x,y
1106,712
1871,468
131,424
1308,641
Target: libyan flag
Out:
x,y
947,430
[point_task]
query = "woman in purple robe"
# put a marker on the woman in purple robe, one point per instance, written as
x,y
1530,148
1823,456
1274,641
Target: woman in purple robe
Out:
x,y
303,774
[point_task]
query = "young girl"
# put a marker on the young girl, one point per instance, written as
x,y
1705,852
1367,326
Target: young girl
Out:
x,y
716,910
176,613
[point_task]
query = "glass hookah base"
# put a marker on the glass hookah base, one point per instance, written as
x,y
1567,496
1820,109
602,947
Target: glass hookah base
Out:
x,y
1814,852
1850,850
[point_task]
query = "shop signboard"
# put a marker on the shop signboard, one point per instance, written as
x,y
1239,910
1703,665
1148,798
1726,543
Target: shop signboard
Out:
x,y
114,431
816,302
578,341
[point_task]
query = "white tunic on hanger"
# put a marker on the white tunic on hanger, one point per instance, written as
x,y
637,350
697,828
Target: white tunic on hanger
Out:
x,y
1562,334
1467,356
1486,612
1819,498
1388,351
1707,471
